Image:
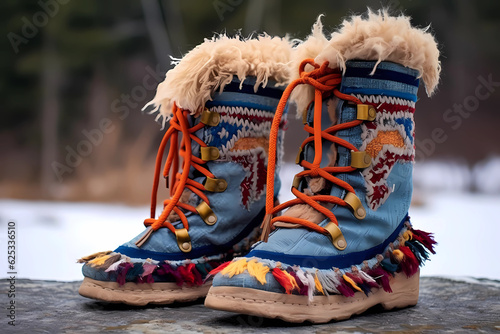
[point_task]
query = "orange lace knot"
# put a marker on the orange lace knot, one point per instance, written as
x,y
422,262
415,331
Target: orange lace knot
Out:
x,y
315,171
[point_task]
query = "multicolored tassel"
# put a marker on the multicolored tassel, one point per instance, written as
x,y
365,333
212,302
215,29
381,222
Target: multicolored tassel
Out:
x,y
425,238
349,278
301,287
166,270
257,270
114,266
123,269
283,279
345,289
418,249
410,264
86,259
367,279
235,268
328,282
308,282
381,276
218,269
317,284
405,255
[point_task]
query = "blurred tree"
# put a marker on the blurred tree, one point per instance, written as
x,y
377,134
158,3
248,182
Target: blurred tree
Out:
x,y
66,64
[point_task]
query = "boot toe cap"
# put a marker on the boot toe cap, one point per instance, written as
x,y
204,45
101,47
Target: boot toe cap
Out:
x,y
245,280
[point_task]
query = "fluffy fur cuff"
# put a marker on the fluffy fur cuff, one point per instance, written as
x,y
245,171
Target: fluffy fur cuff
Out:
x,y
377,36
213,64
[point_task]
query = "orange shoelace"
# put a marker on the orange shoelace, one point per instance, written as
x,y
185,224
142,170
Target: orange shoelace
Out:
x,y
180,181
325,82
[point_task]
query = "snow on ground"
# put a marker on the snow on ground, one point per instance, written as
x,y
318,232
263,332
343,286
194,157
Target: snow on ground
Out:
x,y
51,236
456,175
466,227
487,175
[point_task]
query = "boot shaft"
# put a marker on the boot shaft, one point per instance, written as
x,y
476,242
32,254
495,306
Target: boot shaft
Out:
x,y
383,185
347,232
219,101
235,131
237,123
385,139
359,92
389,139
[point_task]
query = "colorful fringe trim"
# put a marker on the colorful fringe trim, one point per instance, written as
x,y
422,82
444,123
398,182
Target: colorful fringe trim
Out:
x,y
405,255
190,272
193,272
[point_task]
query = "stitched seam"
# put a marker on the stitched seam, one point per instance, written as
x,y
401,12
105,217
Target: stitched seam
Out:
x,y
144,291
262,301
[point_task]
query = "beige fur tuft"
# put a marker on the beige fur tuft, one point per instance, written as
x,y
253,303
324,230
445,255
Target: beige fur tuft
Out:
x,y
379,37
310,48
213,64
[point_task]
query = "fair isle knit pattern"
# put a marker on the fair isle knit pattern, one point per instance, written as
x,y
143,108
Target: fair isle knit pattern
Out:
x,y
388,140
249,130
248,123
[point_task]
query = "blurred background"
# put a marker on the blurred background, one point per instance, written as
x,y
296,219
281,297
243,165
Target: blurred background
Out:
x,y
75,75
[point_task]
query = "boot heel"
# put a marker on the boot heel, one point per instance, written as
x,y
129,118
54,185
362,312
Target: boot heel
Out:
x,y
404,292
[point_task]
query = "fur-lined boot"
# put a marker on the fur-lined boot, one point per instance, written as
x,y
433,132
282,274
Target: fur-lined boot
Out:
x,y
219,101
345,243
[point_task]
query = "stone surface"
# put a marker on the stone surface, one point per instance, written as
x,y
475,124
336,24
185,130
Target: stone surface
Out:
x,y
55,307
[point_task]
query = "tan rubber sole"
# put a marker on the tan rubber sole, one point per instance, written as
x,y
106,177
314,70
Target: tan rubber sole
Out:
x,y
295,308
141,294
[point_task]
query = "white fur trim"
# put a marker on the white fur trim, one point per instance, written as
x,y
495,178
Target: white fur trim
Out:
x,y
377,36
212,65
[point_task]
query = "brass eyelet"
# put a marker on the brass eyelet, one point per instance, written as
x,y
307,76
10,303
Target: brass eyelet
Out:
x,y
209,153
300,156
336,236
366,112
206,213
296,181
215,185
210,118
304,117
354,204
183,240
360,159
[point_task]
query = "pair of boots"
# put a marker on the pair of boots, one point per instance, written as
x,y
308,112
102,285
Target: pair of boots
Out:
x,y
345,243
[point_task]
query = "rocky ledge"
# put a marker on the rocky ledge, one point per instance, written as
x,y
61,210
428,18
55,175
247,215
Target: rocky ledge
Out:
x,y
445,305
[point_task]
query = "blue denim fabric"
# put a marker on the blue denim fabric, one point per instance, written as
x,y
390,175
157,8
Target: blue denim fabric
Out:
x,y
365,238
